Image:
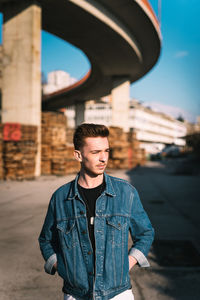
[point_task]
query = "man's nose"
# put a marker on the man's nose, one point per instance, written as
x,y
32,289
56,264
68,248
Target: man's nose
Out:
x,y
102,157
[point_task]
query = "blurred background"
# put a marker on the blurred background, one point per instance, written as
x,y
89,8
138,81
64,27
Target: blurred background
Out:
x,y
132,66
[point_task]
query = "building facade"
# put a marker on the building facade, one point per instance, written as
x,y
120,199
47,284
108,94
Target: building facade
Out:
x,y
153,129
57,80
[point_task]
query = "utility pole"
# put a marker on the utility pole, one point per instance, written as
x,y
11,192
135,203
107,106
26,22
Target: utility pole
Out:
x,y
159,11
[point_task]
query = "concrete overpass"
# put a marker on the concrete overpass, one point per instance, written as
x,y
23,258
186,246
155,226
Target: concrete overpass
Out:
x,y
121,39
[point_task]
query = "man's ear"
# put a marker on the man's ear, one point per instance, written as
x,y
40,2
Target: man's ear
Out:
x,y
77,155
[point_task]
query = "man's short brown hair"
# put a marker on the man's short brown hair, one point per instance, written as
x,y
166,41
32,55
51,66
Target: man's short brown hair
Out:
x,y
88,130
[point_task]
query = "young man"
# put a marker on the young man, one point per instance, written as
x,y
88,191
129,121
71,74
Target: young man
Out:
x,y
85,234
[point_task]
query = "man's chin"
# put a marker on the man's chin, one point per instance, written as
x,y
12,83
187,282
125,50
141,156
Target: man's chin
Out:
x,y
95,172
98,172
101,170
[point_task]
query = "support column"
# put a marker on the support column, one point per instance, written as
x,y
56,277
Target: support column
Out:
x,y
120,102
79,113
21,86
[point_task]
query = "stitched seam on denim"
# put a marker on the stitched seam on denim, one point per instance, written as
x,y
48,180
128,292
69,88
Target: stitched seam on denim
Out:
x,y
110,181
112,185
114,215
114,267
74,264
123,288
70,218
123,181
122,232
66,265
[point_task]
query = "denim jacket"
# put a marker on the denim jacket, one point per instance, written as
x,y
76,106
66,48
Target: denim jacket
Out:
x,y
64,238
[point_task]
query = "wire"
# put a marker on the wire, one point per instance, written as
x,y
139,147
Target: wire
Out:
x,y
159,11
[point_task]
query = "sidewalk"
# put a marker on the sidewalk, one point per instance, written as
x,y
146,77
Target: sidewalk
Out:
x,y
172,203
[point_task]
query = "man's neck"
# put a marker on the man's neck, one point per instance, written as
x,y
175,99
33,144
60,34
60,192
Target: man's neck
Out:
x,y
89,182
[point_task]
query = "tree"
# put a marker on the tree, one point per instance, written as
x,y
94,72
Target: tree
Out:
x,y
180,118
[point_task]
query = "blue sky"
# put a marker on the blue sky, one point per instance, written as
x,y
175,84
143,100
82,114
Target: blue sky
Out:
x,y
172,85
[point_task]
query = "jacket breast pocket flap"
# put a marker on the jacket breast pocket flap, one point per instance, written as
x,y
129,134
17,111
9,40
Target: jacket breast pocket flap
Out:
x,y
116,229
68,233
116,222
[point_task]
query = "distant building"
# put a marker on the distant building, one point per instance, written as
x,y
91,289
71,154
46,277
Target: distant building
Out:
x,y
99,112
57,80
153,129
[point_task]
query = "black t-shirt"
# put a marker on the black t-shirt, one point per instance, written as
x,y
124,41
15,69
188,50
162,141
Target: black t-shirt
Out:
x,y
90,196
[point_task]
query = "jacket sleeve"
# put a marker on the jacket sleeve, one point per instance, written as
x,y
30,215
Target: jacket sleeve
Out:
x,y
141,230
48,239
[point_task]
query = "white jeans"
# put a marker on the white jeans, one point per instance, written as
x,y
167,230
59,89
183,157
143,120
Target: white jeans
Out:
x,y
127,295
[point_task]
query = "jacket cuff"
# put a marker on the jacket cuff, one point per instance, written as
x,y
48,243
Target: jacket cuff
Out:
x,y
139,256
49,268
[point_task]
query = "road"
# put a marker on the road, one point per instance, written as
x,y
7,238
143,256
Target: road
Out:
x,y
173,205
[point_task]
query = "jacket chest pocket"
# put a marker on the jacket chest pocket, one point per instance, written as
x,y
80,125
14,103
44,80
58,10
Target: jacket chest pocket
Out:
x,y
116,230
68,233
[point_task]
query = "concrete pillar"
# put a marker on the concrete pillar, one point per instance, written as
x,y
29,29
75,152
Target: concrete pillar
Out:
x,y
120,102
21,84
79,113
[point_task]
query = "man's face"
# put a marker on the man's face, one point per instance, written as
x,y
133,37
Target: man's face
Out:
x,y
94,155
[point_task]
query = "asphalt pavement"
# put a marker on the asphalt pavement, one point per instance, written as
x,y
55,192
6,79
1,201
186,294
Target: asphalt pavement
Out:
x,y
171,199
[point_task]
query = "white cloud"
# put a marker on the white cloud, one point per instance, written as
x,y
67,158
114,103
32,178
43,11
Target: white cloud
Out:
x,y
180,54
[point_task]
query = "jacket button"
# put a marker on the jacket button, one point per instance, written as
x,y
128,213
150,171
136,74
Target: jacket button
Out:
x,y
84,232
89,253
90,273
82,212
